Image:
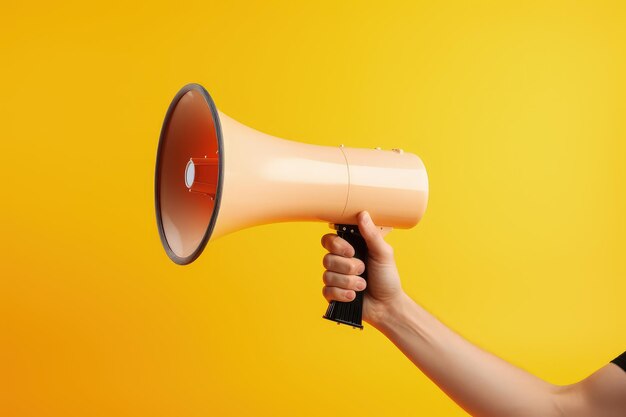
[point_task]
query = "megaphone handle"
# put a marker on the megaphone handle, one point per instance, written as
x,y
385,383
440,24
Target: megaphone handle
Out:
x,y
350,313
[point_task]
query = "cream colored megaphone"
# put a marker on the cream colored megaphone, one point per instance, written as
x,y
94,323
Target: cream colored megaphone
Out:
x,y
215,176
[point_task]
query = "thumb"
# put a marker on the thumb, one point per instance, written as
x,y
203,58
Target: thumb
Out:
x,y
376,245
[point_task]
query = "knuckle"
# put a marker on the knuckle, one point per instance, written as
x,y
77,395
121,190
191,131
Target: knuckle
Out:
x,y
325,291
325,277
327,261
344,281
328,241
357,267
338,280
354,283
351,283
337,246
332,293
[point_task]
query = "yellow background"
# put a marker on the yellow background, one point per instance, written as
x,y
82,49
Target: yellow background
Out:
x,y
516,109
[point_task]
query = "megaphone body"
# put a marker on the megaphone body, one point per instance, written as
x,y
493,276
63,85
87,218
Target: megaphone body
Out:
x,y
215,176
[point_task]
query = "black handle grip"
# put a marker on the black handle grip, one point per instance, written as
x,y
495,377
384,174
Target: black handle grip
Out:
x,y
350,313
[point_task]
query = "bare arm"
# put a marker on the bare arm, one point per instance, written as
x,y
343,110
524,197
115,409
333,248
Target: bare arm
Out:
x,y
485,385
478,381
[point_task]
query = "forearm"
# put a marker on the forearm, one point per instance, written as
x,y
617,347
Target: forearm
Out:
x,y
481,383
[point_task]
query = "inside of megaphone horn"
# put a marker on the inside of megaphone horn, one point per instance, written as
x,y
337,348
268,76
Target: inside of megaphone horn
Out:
x,y
189,174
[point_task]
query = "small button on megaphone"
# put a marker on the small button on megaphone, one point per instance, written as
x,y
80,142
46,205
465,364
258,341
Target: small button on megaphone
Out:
x,y
215,176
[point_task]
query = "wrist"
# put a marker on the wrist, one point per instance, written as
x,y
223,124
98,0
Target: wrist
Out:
x,y
384,314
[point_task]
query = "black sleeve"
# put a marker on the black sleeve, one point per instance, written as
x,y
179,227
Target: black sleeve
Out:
x,y
620,361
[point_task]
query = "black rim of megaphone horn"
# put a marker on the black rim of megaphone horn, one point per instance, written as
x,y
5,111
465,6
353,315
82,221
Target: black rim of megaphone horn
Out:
x,y
157,177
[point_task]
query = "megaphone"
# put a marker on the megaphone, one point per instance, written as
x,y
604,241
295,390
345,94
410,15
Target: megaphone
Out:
x,y
215,176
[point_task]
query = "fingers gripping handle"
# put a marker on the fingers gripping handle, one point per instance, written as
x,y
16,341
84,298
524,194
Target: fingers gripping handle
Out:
x,y
350,313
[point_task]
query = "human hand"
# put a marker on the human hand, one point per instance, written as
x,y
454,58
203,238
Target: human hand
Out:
x,y
342,269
